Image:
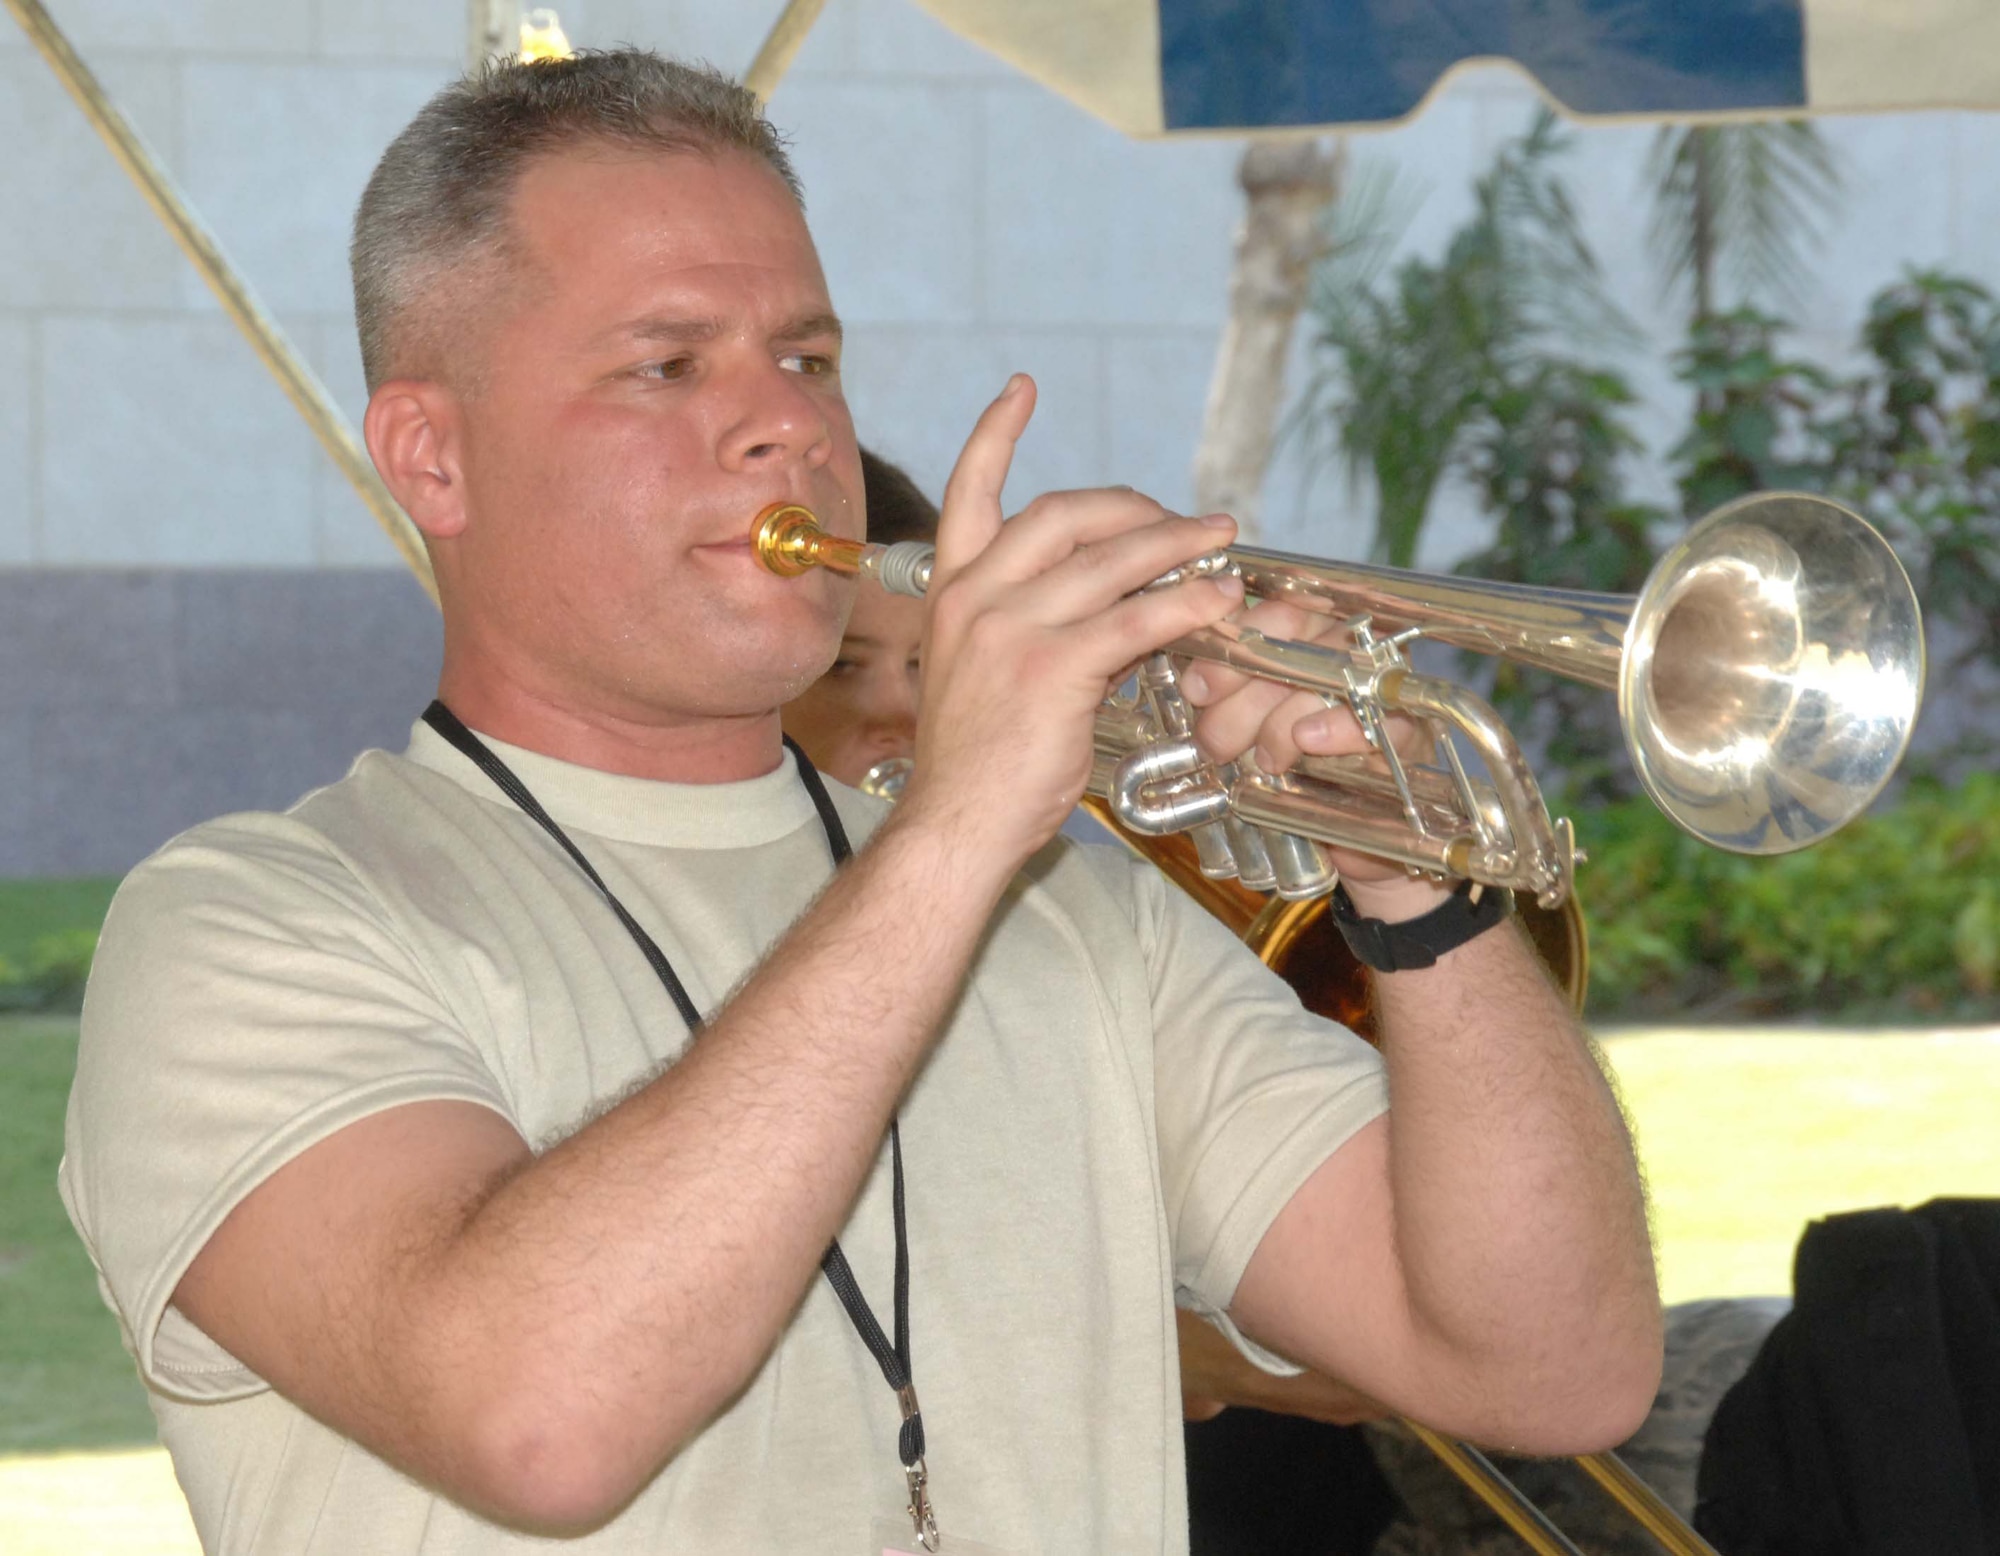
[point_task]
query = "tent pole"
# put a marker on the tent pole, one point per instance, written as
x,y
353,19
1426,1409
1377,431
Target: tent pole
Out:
x,y
198,243
781,47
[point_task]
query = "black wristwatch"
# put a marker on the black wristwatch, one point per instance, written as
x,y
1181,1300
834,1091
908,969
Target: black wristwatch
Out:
x,y
1419,942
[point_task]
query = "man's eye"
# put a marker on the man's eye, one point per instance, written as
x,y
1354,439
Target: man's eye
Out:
x,y
675,367
844,666
810,363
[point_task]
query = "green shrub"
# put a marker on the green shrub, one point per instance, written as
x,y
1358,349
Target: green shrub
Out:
x,y
52,975
1896,916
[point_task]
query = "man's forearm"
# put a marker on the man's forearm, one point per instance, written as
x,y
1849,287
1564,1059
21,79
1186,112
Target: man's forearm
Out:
x,y
626,1283
1520,1220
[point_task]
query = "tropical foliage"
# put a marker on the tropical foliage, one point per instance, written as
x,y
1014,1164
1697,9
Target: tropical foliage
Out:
x,y
1895,917
1408,366
1496,367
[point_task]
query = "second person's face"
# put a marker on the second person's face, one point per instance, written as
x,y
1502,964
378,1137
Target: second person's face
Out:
x,y
864,709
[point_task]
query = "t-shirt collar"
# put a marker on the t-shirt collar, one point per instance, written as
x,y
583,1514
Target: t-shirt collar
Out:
x,y
743,814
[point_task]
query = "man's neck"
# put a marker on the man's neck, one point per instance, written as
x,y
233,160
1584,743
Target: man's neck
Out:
x,y
667,748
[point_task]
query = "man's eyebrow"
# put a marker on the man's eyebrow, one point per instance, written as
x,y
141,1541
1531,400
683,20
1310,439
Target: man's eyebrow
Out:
x,y
809,327
660,327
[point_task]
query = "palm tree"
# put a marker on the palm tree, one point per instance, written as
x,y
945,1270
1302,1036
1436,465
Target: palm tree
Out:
x,y
1740,205
1405,367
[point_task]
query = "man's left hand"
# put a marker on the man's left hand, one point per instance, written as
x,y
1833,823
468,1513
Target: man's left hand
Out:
x,y
1240,712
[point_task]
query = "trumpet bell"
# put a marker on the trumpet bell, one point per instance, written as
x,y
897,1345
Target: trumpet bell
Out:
x,y
1772,672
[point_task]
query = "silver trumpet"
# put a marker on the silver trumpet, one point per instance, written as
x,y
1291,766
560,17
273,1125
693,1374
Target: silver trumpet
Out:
x,y
1768,676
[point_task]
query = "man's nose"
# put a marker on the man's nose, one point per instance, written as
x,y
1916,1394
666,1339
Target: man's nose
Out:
x,y
774,415
892,703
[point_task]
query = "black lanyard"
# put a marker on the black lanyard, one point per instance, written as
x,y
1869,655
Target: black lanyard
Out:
x,y
894,1360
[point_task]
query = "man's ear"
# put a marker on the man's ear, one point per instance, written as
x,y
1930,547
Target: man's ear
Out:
x,y
412,429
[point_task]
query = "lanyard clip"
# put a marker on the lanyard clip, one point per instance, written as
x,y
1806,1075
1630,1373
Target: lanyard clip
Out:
x,y
923,1518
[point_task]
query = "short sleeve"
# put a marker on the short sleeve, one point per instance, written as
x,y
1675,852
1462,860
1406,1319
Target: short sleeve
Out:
x,y
1252,1092
248,1000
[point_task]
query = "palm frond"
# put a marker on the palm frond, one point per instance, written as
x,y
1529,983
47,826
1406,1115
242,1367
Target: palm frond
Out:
x,y
1745,203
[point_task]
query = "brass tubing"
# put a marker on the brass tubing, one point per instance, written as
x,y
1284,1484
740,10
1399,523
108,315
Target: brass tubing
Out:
x,y
1497,1492
1644,1504
304,389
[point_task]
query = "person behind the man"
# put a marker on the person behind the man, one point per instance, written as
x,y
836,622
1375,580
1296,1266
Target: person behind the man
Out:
x,y
428,1225
863,711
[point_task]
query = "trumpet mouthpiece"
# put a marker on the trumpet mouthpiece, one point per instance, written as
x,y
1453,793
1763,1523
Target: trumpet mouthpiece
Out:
x,y
788,540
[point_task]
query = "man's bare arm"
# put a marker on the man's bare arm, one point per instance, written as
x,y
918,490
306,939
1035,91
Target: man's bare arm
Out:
x,y
535,1335
1478,1258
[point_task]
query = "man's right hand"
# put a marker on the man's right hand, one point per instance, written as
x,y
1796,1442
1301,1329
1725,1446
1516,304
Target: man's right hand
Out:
x,y
1031,622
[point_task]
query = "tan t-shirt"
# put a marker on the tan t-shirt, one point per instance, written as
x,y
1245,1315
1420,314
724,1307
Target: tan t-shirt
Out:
x,y
1123,1101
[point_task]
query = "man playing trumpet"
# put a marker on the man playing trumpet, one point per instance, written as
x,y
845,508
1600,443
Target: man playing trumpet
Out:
x,y
431,1227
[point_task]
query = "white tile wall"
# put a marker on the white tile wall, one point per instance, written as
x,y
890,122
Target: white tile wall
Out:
x,y
1896,210
207,27
345,533
17,461
277,155
391,29
166,444
725,33
1975,190
891,174
916,393
1087,228
74,232
1156,389
894,38
970,222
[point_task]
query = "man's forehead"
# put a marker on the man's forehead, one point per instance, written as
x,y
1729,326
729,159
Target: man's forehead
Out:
x,y
659,238
693,192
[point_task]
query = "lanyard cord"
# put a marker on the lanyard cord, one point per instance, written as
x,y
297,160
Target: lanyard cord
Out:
x,y
894,1360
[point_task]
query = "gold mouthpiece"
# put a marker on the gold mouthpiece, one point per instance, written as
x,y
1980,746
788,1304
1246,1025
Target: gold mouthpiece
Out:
x,y
788,540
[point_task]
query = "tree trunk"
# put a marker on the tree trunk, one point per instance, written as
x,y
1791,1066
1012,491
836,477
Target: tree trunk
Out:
x,y
1288,184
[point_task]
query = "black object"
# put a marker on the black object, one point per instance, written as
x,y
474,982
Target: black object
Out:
x,y
1869,1422
1261,1484
1417,943
894,1360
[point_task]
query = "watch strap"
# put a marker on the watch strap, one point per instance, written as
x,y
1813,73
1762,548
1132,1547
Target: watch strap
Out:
x,y
1417,943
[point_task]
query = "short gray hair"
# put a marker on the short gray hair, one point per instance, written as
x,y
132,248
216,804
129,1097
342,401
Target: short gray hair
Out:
x,y
438,199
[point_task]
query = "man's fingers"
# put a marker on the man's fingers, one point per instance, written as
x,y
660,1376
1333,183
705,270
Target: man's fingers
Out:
x,y
1230,726
1303,722
971,514
1140,624
1095,575
1056,525
1206,684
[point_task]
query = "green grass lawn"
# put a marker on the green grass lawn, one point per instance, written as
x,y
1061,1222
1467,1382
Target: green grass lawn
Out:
x,y
30,910
65,1381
